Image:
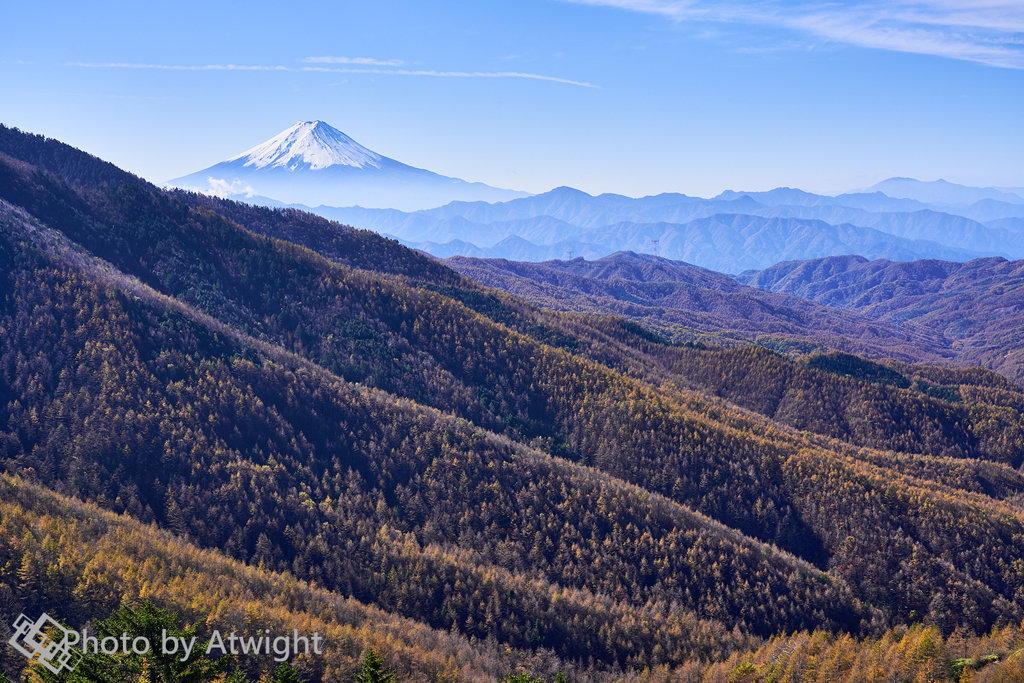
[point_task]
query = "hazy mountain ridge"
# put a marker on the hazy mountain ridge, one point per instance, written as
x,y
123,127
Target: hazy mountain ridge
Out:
x,y
1010,223
943,192
315,167
566,222
977,304
969,313
925,224
727,242
688,303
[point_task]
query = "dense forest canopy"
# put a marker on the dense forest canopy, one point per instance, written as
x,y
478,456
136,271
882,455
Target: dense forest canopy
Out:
x,y
248,416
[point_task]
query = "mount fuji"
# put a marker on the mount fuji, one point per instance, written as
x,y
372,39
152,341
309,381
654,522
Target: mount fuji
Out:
x,y
315,164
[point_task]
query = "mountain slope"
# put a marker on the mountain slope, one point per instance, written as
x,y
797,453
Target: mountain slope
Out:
x,y
563,485
688,303
313,163
208,391
695,304
976,304
159,387
99,553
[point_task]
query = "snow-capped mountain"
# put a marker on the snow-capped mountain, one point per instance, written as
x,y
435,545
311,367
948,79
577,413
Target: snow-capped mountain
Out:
x,y
311,145
315,164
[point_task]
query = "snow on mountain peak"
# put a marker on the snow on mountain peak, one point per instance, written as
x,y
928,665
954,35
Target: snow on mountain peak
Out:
x,y
310,144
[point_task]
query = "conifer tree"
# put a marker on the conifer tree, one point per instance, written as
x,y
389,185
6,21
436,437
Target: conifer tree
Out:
x,y
373,669
285,673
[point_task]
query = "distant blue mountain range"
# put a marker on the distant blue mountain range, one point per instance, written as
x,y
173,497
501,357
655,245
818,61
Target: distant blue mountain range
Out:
x,y
730,233
318,168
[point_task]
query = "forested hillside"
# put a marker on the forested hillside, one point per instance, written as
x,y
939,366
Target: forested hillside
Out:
x,y
98,555
684,303
497,485
976,305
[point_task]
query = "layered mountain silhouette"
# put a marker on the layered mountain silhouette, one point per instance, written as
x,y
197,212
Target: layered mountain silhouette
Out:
x,y
315,167
314,163
926,310
947,193
730,233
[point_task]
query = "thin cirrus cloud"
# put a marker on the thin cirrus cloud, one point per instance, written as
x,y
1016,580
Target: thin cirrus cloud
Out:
x,y
989,32
331,69
366,61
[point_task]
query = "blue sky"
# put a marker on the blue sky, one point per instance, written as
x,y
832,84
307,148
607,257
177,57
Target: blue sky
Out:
x,y
628,96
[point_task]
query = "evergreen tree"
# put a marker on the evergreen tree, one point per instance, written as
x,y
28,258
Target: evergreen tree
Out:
x,y
285,673
523,677
373,669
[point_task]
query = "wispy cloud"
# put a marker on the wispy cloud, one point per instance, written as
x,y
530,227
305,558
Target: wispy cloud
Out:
x,y
891,31
342,70
462,74
179,67
367,61
988,32
673,9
